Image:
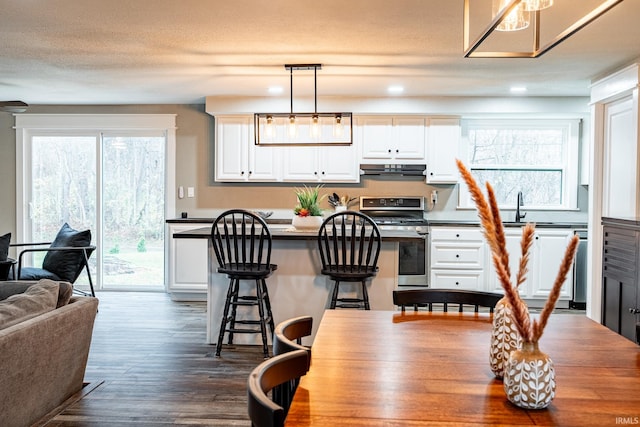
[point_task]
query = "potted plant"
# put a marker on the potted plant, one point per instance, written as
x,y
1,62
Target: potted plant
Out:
x,y
308,215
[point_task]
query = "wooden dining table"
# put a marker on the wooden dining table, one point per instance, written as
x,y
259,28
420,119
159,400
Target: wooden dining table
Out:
x,y
389,368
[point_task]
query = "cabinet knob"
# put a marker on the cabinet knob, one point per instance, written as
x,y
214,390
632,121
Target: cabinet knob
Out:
x,y
634,310
315,173
457,256
242,173
250,172
389,150
457,283
397,151
322,172
457,235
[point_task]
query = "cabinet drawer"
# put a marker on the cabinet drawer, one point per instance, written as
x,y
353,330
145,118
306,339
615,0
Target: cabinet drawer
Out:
x,y
448,279
456,234
457,256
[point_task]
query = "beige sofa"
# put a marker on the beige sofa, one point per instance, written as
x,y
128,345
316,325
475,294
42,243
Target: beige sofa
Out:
x,y
43,360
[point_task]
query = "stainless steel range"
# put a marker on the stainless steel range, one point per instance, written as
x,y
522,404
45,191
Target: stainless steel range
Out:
x,y
403,213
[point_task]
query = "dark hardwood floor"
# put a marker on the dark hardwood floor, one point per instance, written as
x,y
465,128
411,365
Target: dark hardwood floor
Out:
x,y
156,368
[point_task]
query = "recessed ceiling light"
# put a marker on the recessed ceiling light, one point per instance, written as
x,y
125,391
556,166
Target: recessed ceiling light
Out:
x,y
395,90
275,90
518,89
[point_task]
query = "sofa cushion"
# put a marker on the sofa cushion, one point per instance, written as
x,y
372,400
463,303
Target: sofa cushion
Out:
x,y
62,263
4,246
36,300
7,289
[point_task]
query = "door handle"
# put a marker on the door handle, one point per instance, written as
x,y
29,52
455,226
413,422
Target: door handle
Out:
x,y
634,310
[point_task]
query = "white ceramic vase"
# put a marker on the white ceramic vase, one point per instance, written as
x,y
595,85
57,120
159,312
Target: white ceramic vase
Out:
x,y
504,337
306,223
529,377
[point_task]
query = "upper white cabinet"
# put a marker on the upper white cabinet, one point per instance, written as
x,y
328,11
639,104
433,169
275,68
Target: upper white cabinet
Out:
x,y
238,158
442,150
385,139
321,164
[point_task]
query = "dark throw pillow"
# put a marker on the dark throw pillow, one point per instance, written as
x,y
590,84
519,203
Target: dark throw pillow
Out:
x,y
65,264
4,246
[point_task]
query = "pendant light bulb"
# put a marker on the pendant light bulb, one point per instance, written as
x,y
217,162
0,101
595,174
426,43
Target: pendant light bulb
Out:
x,y
517,19
315,127
293,128
533,5
338,128
269,129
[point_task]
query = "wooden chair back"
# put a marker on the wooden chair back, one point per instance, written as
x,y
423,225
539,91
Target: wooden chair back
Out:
x,y
430,296
263,411
241,241
349,244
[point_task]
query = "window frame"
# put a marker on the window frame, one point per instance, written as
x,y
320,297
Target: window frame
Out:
x,y
569,167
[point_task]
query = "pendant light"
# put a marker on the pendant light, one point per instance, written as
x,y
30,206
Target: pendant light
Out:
x,y
515,18
512,15
302,128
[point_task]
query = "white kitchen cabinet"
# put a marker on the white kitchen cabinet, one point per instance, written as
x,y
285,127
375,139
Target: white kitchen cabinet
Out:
x,y
545,255
457,258
321,164
399,139
238,158
188,264
443,144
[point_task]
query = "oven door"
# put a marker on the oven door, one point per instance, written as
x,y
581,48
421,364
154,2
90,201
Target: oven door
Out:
x,y
413,258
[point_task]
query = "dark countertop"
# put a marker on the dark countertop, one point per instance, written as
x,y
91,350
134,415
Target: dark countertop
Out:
x,y
387,235
545,224
432,222
632,221
210,221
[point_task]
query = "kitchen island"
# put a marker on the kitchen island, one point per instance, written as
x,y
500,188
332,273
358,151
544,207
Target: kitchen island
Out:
x,y
297,288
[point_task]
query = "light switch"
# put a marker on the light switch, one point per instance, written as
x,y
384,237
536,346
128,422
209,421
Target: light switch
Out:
x,y
191,192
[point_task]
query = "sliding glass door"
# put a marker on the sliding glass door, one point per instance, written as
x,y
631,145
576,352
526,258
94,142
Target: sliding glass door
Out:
x,y
110,181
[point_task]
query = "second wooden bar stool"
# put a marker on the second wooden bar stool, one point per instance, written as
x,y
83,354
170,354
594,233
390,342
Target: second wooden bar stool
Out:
x,y
349,244
242,244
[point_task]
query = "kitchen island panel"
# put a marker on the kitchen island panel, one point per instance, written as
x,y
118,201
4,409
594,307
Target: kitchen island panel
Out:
x,y
297,288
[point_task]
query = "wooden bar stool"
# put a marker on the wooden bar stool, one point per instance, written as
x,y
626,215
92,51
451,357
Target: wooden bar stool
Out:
x,y
242,244
349,244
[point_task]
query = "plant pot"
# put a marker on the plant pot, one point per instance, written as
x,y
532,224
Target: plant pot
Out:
x,y
529,377
504,337
306,223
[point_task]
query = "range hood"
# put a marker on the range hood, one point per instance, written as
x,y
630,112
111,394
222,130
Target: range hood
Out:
x,y
393,169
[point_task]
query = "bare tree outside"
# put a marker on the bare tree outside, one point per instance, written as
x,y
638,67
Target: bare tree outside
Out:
x,y
65,189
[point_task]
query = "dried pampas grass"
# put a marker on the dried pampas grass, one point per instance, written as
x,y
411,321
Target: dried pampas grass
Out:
x,y
493,231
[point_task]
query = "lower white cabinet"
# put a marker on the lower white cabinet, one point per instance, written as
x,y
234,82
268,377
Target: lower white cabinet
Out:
x,y
188,264
457,258
545,255
461,259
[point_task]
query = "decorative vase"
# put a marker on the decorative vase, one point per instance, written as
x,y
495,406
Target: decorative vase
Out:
x,y
529,377
504,337
306,223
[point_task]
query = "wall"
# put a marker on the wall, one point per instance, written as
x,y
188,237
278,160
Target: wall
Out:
x,y
194,156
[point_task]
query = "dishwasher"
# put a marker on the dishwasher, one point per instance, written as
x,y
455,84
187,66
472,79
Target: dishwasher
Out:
x,y
579,301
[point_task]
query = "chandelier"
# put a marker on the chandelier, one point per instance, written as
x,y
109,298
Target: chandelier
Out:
x,y
298,128
514,15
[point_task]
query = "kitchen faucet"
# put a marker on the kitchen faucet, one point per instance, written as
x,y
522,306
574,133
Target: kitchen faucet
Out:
x,y
518,204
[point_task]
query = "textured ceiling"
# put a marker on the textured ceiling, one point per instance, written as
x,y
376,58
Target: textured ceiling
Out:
x,y
161,51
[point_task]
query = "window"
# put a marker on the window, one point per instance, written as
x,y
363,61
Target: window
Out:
x,y
112,174
537,157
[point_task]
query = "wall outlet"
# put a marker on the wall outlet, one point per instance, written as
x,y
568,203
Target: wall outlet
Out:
x,y
191,192
434,196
